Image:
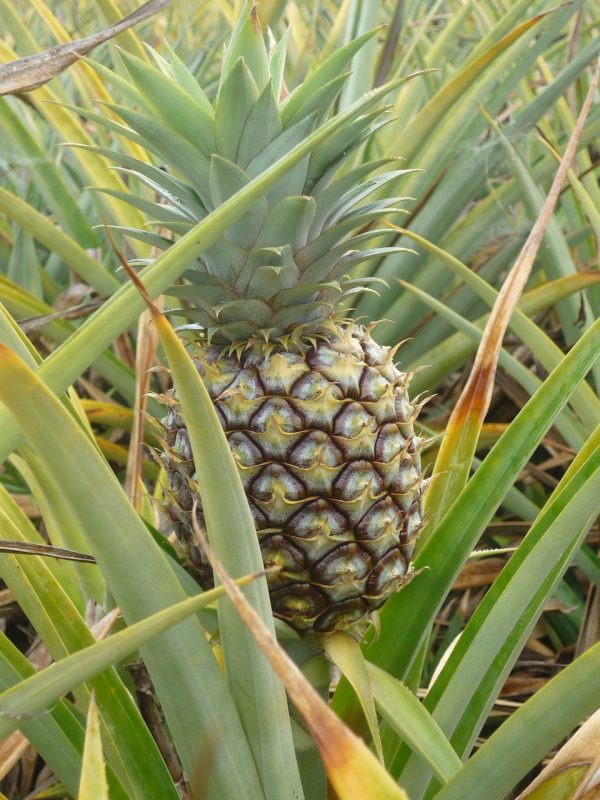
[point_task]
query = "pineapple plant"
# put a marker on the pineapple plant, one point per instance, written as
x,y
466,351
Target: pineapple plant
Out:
x,y
317,415
241,708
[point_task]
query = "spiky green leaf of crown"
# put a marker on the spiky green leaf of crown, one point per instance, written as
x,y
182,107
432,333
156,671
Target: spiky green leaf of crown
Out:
x,y
283,269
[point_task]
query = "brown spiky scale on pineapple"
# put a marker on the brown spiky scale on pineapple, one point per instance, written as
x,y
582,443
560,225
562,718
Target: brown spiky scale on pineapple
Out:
x,y
325,446
317,416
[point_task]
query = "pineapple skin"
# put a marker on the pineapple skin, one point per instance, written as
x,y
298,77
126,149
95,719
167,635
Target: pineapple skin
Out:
x,y
324,442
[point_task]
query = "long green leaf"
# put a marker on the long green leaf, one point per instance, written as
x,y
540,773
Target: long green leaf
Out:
x,y
13,336
58,736
58,242
40,594
48,179
24,306
427,121
568,424
556,255
584,400
406,715
257,692
345,653
462,189
541,723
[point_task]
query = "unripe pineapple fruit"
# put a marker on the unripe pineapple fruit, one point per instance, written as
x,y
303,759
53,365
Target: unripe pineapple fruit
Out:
x,y
316,414
323,439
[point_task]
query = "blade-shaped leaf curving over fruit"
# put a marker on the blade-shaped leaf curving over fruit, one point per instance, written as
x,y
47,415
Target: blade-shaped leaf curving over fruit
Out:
x,y
256,691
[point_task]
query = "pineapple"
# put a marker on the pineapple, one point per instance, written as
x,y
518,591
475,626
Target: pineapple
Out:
x,y
316,414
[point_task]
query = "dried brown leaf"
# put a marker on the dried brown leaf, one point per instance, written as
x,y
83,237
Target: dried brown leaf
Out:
x,y
26,74
479,573
147,342
11,751
31,549
477,393
33,324
518,685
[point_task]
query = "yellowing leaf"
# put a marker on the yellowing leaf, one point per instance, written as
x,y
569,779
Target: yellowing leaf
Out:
x,y
562,785
574,772
93,784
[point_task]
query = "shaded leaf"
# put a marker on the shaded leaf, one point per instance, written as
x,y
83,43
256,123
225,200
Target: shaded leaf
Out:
x,y
258,696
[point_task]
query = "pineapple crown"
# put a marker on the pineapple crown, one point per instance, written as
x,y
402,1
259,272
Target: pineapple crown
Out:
x,y
282,270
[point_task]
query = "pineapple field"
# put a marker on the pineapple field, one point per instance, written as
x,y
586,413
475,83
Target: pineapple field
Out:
x,y
299,400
